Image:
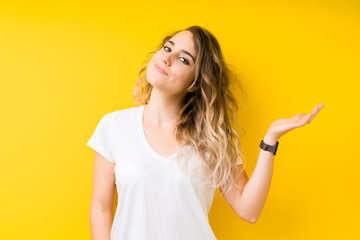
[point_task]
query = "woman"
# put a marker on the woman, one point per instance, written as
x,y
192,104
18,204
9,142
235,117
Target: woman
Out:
x,y
168,155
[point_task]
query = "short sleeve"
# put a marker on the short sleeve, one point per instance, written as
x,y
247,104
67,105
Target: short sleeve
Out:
x,y
100,140
238,161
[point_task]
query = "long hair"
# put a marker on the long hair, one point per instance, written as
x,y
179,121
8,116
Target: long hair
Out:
x,y
208,115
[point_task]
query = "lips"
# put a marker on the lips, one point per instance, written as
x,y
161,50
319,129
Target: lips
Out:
x,y
159,69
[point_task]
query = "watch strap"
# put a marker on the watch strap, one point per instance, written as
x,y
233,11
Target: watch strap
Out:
x,y
268,147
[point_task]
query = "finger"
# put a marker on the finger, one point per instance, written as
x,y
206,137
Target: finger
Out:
x,y
298,115
315,109
309,117
305,119
314,113
318,108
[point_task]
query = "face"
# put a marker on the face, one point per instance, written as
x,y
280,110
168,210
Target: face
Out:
x,y
172,68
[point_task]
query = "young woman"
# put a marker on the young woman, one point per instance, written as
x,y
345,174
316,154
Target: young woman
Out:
x,y
167,156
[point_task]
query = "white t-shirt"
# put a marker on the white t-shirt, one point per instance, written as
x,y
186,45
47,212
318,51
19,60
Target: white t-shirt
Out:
x,y
156,200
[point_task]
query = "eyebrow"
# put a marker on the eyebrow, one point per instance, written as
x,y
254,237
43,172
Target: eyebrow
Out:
x,y
184,51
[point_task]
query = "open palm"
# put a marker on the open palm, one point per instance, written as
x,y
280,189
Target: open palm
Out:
x,y
284,125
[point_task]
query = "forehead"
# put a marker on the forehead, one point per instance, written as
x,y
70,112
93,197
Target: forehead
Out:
x,y
184,40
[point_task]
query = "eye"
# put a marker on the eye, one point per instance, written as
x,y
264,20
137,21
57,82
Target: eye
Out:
x,y
186,62
165,47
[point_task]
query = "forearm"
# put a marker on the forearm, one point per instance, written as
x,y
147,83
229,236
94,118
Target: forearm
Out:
x,y
255,191
100,224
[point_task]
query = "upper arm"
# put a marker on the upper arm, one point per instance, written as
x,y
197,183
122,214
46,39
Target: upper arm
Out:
x,y
234,194
103,183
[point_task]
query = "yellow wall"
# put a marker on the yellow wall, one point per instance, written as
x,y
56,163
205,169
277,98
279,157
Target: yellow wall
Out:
x,y
64,65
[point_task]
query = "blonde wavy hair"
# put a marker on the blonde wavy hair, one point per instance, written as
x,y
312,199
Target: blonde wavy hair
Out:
x,y
208,115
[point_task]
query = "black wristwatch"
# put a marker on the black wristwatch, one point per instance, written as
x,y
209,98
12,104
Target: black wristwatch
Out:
x,y
269,148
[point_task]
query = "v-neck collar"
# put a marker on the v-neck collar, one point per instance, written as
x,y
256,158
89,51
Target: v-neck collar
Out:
x,y
145,141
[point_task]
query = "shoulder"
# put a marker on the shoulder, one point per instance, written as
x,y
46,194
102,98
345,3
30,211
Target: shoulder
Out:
x,y
122,112
126,114
126,111
121,116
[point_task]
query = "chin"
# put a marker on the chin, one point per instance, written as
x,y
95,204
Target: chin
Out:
x,y
153,80
153,77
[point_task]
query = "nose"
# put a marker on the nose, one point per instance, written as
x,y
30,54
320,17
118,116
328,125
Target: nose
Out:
x,y
165,59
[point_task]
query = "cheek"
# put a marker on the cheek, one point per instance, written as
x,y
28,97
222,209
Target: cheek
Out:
x,y
153,59
189,74
156,57
185,77
152,62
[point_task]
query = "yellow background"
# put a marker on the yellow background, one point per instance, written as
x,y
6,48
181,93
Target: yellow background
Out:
x,y
65,64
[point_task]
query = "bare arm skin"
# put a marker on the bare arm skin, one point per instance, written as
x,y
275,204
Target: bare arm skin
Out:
x,y
101,207
248,201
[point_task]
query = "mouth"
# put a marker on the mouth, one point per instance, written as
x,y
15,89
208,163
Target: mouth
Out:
x,y
159,69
